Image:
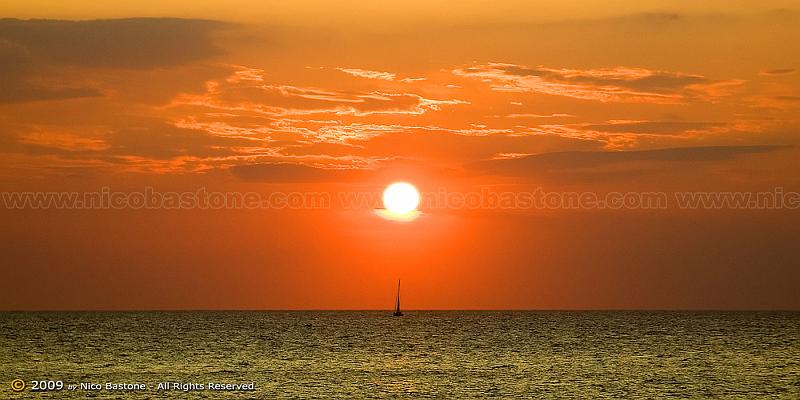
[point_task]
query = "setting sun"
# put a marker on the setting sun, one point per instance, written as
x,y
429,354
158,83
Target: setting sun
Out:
x,y
400,198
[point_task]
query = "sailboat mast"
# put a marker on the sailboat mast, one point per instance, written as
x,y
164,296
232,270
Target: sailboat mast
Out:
x,y
397,312
397,303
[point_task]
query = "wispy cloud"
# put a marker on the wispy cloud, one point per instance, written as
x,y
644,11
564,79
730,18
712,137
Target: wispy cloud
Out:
x,y
556,115
571,164
246,92
654,127
365,73
780,71
618,84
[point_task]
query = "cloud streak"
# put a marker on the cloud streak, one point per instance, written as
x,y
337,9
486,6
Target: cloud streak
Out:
x,y
251,95
559,161
365,73
618,84
779,71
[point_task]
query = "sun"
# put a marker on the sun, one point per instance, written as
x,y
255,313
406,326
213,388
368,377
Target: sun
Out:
x,y
401,198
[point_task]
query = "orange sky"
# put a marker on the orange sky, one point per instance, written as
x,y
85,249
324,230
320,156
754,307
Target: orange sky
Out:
x,y
268,97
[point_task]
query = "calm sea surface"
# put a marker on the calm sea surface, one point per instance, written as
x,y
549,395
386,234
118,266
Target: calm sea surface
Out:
x,y
456,354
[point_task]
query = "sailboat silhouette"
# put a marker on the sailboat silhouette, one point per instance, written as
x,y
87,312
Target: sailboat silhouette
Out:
x,y
397,312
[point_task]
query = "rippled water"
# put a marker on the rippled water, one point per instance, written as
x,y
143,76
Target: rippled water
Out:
x,y
454,354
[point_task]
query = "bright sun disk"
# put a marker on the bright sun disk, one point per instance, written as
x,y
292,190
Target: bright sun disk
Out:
x,y
400,198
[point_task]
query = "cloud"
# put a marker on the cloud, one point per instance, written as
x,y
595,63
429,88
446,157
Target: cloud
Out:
x,y
138,43
628,134
163,141
365,73
34,53
781,71
619,84
286,173
15,91
152,142
431,150
293,172
252,95
777,99
555,115
442,145
652,127
561,161
18,84
557,168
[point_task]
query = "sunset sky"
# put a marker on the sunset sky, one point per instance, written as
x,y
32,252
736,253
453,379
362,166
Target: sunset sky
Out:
x,y
350,96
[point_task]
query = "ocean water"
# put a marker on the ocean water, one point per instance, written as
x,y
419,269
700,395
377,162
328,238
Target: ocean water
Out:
x,y
452,354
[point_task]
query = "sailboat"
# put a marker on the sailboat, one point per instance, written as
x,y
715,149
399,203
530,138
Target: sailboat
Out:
x,y
397,312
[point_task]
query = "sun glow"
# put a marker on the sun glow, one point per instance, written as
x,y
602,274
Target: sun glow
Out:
x,y
401,198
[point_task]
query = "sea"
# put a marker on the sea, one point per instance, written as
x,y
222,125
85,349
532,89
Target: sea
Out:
x,y
423,354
